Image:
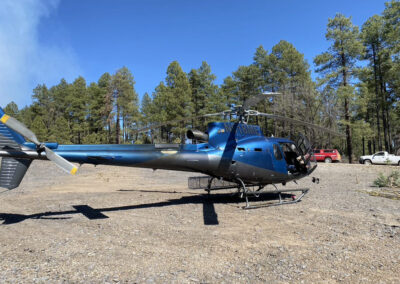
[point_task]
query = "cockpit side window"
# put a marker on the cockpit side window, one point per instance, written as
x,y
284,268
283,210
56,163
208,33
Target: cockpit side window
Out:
x,y
277,152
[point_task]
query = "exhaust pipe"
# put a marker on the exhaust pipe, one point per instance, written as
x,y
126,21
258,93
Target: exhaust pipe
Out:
x,y
197,135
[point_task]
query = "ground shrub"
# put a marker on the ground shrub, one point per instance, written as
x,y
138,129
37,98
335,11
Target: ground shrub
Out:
x,y
392,180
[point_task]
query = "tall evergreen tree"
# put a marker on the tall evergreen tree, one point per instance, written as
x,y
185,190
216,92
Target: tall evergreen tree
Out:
x,y
44,105
12,109
372,36
204,91
95,119
147,114
105,86
291,76
77,109
338,65
126,103
172,100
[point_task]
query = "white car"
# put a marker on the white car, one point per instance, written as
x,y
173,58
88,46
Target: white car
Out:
x,y
382,158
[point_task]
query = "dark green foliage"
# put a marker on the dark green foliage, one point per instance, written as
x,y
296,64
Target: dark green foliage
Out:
x,y
39,128
205,96
60,131
172,101
125,101
12,109
338,66
77,110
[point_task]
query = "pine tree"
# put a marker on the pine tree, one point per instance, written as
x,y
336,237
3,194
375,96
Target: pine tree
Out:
x,y
105,86
372,36
172,100
204,92
60,131
291,76
12,109
338,65
147,113
95,119
60,94
77,109
44,106
126,103
39,128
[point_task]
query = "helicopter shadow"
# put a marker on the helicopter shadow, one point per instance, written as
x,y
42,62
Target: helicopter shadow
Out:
x,y
210,217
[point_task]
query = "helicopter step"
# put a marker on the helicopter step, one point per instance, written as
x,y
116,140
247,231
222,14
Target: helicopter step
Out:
x,y
208,183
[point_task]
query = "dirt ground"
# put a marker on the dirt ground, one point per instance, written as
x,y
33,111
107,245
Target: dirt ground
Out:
x,y
110,224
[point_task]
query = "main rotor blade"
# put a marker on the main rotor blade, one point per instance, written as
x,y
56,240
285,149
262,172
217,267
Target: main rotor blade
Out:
x,y
258,98
299,122
60,161
19,127
145,129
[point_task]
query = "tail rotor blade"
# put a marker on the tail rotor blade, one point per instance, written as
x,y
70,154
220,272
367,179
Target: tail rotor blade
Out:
x,y
19,127
61,162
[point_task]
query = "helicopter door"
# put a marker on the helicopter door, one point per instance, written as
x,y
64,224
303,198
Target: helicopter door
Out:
x,y
304,148
279,159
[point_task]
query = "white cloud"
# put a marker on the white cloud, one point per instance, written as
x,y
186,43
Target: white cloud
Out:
x,y
25,62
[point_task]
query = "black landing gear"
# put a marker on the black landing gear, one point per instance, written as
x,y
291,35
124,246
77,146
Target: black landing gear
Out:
x,y
245,191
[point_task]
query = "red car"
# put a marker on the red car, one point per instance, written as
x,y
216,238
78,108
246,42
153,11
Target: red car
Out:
x,y
327,155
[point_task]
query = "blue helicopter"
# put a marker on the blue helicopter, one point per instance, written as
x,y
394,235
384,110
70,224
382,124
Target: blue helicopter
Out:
x,y
229,154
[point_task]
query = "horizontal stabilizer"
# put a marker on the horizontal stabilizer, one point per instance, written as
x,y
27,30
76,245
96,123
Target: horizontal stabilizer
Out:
x,y
12,172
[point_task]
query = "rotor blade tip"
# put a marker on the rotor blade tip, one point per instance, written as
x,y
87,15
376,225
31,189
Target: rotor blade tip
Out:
x,y
74,170
4,118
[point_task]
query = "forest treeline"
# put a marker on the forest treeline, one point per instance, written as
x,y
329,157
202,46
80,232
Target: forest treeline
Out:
x,y
356,92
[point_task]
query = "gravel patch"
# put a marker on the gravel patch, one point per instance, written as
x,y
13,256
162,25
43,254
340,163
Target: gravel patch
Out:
x,y
127,225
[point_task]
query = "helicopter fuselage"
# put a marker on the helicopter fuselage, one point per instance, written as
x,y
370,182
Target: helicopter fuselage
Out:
x,y
234,151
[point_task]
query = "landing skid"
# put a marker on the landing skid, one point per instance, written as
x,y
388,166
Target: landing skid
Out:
x,y
244,191
281,201
249,190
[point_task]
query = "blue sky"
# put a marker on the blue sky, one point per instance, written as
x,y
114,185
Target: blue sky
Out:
x,y
43,41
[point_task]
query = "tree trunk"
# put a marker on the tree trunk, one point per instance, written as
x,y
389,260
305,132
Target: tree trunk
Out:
x,y
347,112
369,147
117,128
348,131
389,134
373,145
363,145
377,99
383,102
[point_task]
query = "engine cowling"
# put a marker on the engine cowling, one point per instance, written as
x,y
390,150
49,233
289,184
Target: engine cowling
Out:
x,y
197,135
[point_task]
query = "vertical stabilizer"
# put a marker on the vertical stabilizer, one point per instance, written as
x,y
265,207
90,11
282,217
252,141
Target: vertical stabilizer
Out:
x,y
8,137
12,171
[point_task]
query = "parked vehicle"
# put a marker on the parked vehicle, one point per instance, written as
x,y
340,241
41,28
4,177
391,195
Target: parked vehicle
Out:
x,y
327,155
382,158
